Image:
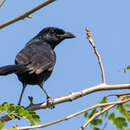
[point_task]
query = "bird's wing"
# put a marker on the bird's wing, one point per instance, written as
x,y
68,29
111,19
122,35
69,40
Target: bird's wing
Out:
x,y
37,57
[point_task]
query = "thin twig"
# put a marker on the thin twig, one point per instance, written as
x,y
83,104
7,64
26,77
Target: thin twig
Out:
x,y
104,110
2,2
119,95
75,114
74,96
97,54
96,115
26,14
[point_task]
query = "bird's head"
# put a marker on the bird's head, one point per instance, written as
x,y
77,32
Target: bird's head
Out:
x,y
54,36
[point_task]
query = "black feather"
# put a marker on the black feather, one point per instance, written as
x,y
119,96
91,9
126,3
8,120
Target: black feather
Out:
x,y
9,69
35,62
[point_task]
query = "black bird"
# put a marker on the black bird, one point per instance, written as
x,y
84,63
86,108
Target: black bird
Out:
x,y
35,62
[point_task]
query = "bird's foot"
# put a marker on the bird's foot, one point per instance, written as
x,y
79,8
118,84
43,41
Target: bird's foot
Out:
x,y
19,104
31,100
50,102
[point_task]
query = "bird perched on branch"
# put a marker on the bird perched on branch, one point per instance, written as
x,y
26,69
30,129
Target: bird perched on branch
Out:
x,y
35,62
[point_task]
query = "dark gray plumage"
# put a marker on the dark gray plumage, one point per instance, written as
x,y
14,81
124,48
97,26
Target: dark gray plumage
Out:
x,y
35,62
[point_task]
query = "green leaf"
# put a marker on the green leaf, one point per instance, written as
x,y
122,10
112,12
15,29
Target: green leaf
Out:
x,y
96,128
32,112
120,122
19,107
111,117
20,110
12,116
104,100
128,112
126,128
93,112
5,107
23,112
86,115
126,69
11,108
1,125
36,119
127,106
27,116
123,111
106,114
96,122
0,108
32,117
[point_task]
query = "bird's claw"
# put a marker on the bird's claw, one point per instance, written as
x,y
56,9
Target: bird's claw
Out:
x,y
50,102
31,100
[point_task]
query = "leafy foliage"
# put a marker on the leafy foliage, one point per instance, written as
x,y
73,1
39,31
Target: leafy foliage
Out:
x,y
123,111
2,124
16,112
126,69
120,121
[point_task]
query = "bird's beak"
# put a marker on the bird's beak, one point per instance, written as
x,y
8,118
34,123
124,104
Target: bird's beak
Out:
x,y
68,35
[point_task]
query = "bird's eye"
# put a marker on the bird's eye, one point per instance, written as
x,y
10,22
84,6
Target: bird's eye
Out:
x,y
52,32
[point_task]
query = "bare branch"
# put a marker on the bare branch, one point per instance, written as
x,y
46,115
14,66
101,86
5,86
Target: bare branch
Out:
x,y
2,2
119,95
76,114
74,96
96,115
26,14
97,54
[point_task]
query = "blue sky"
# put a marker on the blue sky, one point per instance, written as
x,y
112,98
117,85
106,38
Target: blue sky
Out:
x,y
76,67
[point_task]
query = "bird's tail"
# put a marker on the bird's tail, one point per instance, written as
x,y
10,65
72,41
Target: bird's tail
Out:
x,y
9,69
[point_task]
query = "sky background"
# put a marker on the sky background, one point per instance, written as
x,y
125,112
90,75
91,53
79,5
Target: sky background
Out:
x,y
76,67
